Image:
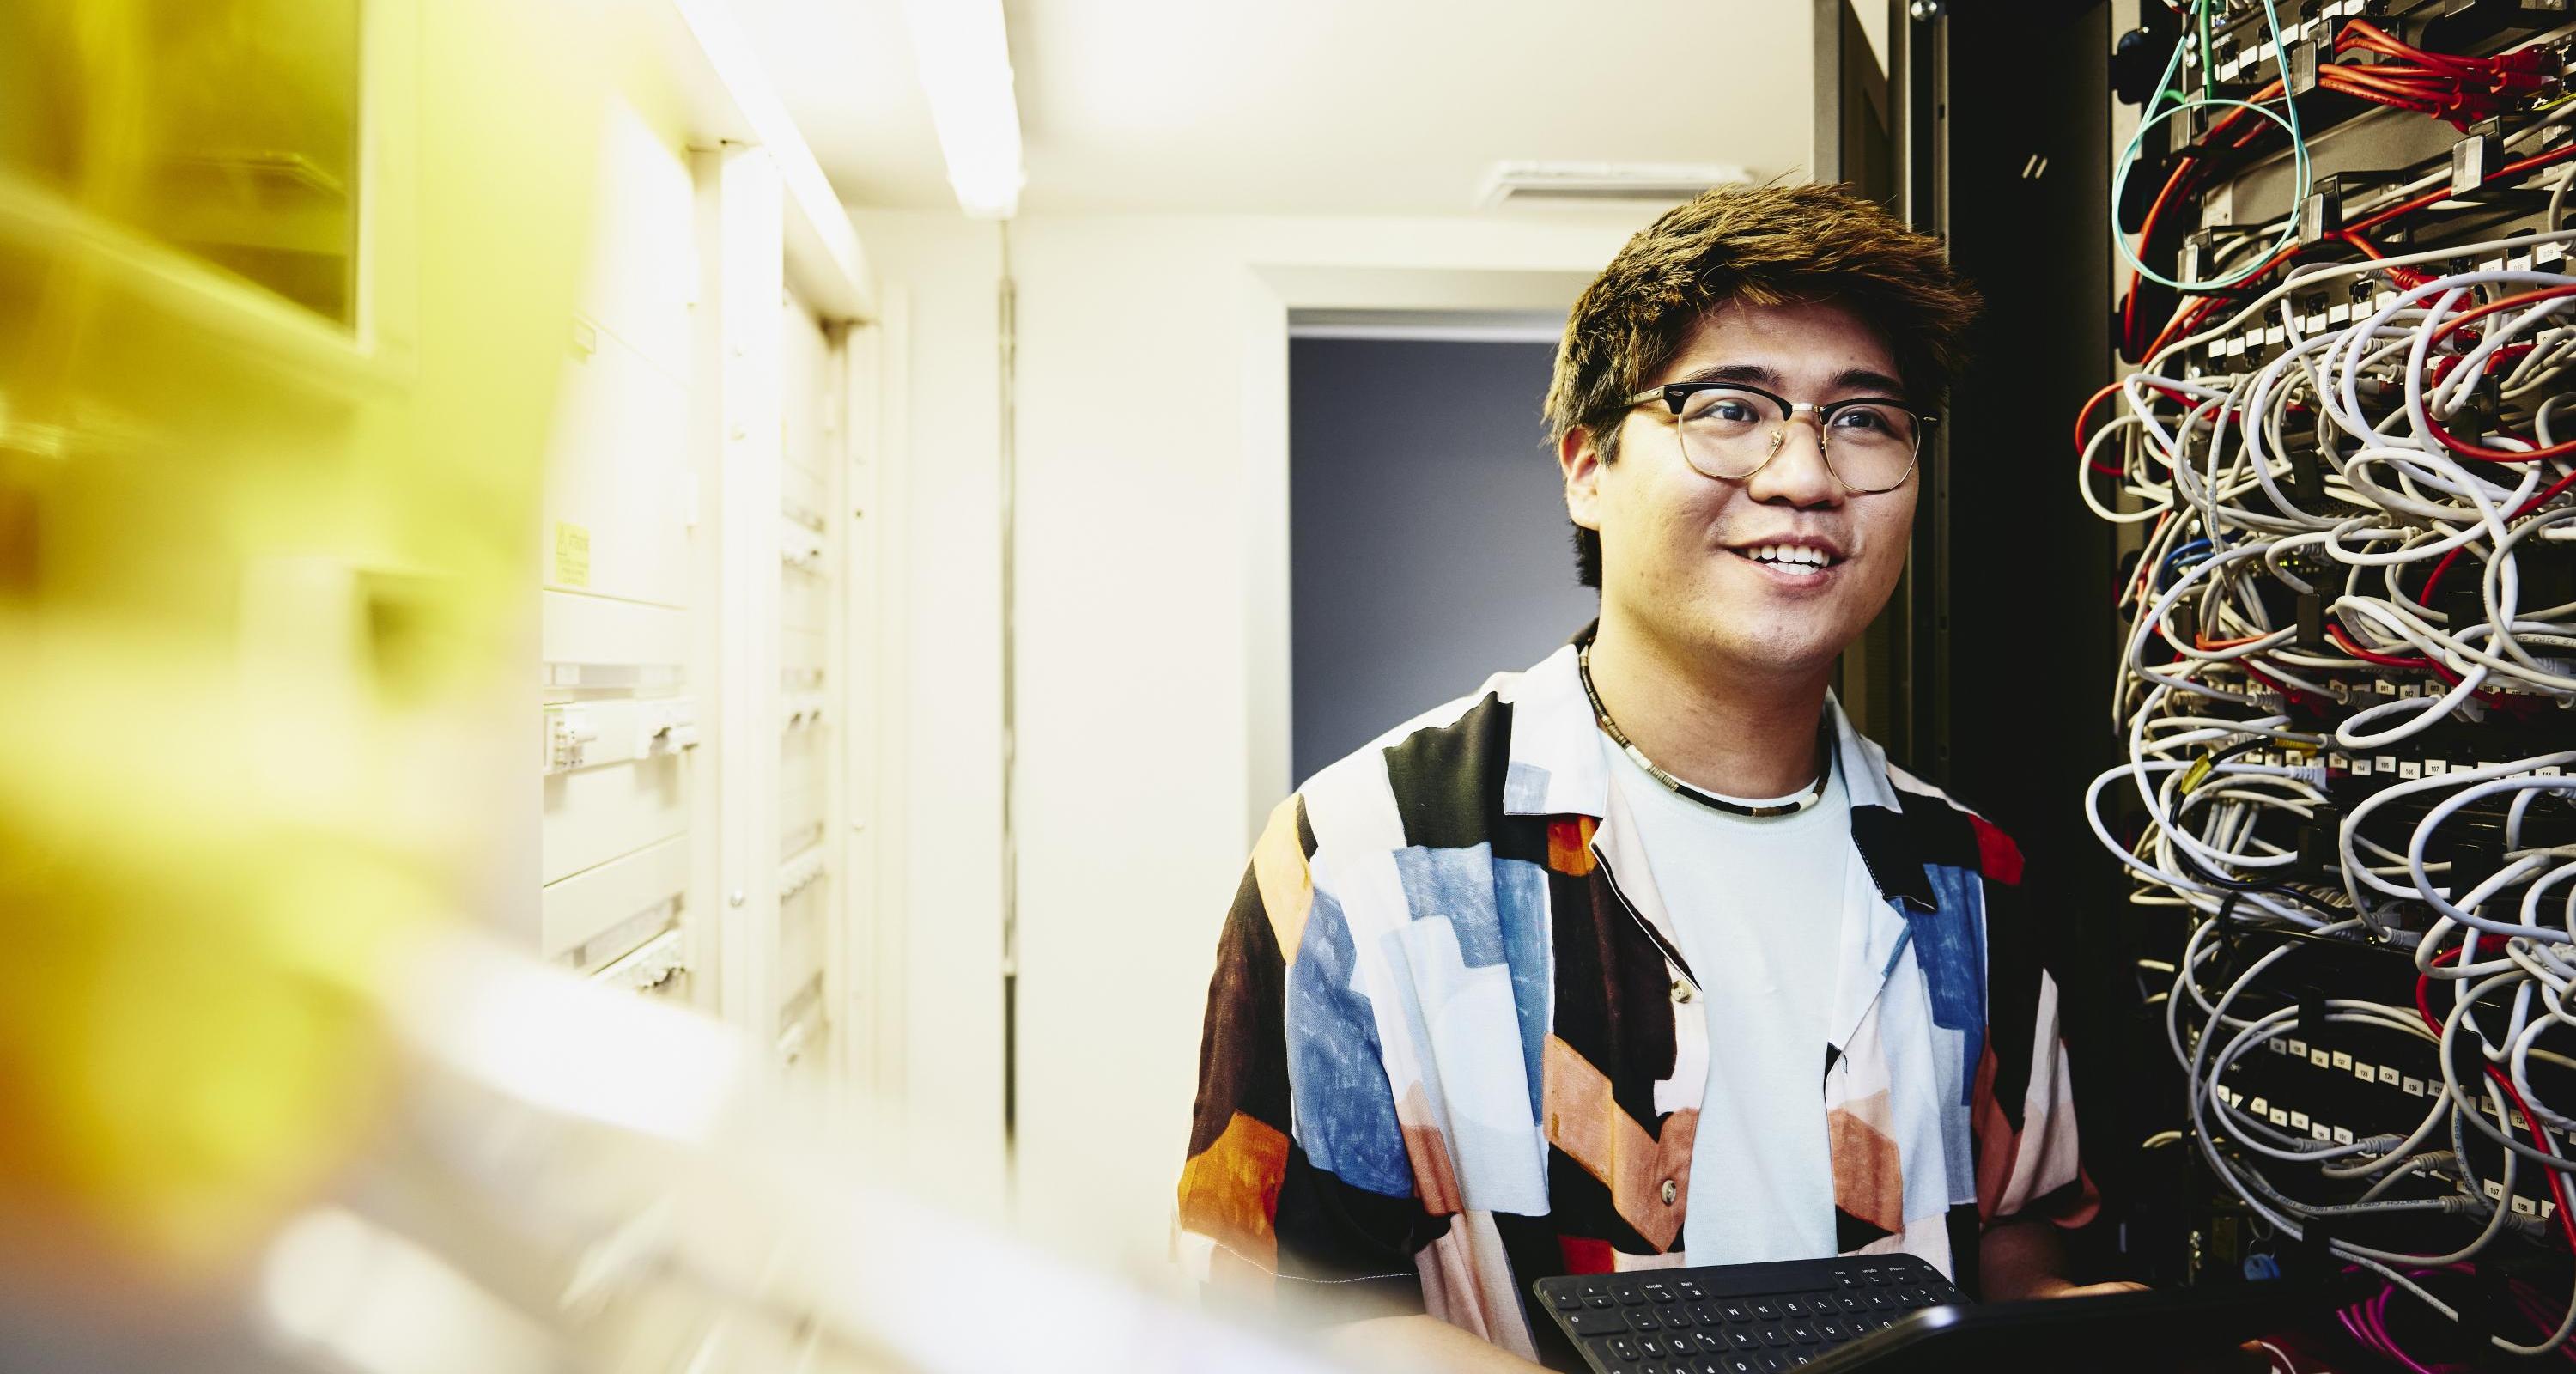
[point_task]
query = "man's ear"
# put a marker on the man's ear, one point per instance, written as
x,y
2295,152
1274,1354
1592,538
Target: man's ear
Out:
x,y
1578,456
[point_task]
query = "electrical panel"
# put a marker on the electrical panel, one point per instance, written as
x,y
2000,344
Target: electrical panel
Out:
x,y
809,576
619,724
2345,459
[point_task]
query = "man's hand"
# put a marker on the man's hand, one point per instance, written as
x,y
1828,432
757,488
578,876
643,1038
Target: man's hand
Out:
x,y
2023,1259
2051,1286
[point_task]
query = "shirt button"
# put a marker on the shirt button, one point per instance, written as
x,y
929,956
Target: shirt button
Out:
x,y
1681,991
1671,1192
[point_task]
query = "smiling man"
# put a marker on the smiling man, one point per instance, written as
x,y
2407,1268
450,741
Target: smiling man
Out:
x,y
1643,957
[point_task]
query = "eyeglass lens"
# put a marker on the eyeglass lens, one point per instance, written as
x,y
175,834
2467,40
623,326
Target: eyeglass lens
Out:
x,y
1728,433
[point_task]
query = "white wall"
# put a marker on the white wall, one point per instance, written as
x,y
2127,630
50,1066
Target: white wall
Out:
x,y
941,823
1152,654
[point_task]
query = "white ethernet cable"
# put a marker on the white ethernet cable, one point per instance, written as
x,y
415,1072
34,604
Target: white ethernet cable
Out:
x,y
2324,474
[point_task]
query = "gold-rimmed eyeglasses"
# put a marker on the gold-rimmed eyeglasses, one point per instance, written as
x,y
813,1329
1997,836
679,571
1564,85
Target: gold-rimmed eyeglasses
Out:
x,y
1729,430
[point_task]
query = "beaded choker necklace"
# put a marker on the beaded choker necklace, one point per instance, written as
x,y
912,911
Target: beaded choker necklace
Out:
x,y
1815,794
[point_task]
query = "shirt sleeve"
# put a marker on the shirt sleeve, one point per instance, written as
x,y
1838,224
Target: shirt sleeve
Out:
x,y
2023,1104
1258,1217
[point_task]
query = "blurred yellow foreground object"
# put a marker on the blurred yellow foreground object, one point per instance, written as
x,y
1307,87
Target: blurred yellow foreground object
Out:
x,y
276,357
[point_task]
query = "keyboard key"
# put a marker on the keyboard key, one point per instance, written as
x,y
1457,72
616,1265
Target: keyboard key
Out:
x,y
1833,1329
1675,1317
1740,1364
1625,1348
1653,1346
1567,1300
1743,1340
1736,1311
1774,1337
1706,1315
1597,1300
1643,1319
1794,1307
1690,1292
1628,1294
1591,1323
1799,1357
1765,1310
1658,1293
1773,1364
1850,1303
1681,1343
1804,1333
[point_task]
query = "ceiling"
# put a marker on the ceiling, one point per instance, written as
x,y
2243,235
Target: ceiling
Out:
x,y
1314,107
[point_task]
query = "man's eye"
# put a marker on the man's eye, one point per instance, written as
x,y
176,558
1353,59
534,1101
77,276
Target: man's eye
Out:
x,y
1865,418
1731,412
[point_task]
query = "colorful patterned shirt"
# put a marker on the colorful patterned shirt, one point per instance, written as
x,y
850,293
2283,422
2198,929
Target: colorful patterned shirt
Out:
x,y
1447,1050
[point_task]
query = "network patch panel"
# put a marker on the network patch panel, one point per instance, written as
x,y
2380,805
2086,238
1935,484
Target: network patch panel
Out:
x,y
2346,460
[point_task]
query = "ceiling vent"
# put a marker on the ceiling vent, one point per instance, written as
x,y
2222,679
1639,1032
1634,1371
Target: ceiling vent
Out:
x,y
1557,185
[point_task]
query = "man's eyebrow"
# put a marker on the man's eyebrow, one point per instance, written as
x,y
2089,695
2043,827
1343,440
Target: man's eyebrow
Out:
x,y
1754,373
1867,379
1848,381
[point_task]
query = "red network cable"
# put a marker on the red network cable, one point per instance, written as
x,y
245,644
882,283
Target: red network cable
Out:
x,y
2424,594
2349,646
2557,1183
2463,90
2453,325
2407,278
2486,695
2356,235
2442,193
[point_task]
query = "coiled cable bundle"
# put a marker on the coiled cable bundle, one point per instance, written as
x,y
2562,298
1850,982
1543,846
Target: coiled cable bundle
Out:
x,y
2348,692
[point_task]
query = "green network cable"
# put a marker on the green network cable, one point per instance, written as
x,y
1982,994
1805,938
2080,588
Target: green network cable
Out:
x,y
2155,113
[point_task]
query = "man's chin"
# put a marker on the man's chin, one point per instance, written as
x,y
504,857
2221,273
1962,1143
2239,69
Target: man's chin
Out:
x,y
1792,655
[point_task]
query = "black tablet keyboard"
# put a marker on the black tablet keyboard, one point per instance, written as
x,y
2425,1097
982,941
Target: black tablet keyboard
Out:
x,y
1737,1318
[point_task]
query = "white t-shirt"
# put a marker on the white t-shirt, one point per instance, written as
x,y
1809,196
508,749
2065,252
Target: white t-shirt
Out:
x,y
1757,905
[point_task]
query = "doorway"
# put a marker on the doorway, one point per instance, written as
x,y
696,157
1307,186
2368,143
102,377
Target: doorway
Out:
x,y
1428,542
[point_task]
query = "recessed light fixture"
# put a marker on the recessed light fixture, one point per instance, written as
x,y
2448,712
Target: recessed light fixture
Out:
x,y
1575,184
964,56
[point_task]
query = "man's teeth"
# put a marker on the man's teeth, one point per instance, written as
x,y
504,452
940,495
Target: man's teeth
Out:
x,y
1790,555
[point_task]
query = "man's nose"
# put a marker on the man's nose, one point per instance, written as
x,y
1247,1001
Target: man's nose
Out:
x,y
1797,473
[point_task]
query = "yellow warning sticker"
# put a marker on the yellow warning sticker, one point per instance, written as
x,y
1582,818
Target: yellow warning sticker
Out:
x,y
572,554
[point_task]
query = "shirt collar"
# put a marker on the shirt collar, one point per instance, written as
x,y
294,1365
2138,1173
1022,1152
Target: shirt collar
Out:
x,y
1557,769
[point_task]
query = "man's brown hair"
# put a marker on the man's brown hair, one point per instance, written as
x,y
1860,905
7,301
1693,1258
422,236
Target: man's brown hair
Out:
x,y
1767,246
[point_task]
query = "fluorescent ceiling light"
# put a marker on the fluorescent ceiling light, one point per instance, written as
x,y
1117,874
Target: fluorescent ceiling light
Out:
x,y
964,57
1592,183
